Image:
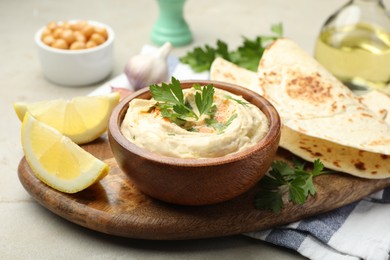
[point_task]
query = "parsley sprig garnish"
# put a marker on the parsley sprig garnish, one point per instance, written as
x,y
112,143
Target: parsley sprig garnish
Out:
x,y
172,104
246,55
295,180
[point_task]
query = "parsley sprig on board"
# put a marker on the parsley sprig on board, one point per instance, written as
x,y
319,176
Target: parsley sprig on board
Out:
x,y
281,178
246,55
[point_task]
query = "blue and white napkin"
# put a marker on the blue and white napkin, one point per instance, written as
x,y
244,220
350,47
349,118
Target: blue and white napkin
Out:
x,y
360,230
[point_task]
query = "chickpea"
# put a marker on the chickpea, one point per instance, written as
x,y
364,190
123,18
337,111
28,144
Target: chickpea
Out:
x,y
60,44
51,26
78,26
77,46
45,32
102,31
74,27
91,44
57,32
68,36
80,37
97,38
66,25
87,31
48,40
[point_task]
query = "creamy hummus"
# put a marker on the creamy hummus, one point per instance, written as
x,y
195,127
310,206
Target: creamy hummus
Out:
x,y
235,126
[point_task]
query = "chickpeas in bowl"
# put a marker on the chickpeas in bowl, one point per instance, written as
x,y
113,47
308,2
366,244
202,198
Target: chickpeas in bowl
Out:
x,y
76,35
75,52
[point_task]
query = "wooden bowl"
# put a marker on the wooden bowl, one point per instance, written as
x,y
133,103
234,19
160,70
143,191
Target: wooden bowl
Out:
x,y
195,181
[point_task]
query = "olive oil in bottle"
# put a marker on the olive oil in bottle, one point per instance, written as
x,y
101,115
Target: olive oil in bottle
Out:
x,y
357,53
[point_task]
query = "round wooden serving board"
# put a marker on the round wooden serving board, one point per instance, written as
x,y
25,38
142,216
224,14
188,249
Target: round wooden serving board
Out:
x,y
114,206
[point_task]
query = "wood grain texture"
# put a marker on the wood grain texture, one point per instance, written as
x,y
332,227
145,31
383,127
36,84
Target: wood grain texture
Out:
x,y
115,206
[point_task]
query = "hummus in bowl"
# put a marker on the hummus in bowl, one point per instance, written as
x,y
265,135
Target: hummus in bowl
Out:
x,y
195,161
234,126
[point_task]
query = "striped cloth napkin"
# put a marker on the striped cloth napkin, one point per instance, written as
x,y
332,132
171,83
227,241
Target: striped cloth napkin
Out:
x,y
360,230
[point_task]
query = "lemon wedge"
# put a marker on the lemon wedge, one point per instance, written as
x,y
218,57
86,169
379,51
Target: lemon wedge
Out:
x,y
82,119
56,160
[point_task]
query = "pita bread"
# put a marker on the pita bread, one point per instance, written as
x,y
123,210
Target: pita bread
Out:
x,y
321,117
336,157
378,103
223,70
298,85
312,101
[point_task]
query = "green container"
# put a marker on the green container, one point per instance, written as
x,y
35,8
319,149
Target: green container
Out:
x,y
171,25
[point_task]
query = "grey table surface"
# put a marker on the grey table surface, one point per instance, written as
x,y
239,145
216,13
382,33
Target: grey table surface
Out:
x,y
29,231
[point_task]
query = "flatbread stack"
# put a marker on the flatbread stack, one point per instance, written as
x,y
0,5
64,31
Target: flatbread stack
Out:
x,y
321,117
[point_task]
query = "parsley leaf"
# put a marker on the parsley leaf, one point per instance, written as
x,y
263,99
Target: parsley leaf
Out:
x,y
246,55
205,100
277,29
222,49
200,59
317,168
282,177
249,54
220,127
169,93
241,102
270,199
296,190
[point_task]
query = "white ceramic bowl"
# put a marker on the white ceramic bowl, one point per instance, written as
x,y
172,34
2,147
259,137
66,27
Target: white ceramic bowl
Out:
x,y
77,67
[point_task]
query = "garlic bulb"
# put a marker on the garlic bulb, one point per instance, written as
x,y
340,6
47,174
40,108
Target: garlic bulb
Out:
x,y
145,69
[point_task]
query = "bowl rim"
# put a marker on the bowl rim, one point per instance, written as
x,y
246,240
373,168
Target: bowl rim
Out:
x,y
120,110
109,41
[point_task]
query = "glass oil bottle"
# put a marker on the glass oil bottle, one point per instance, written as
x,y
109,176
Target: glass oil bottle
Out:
x,y
354,45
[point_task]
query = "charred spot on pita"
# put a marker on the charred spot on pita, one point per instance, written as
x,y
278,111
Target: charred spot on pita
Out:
x,y
337,164
309,88
360,166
